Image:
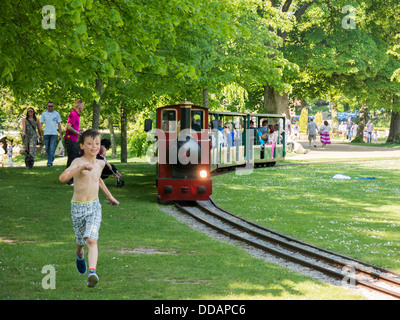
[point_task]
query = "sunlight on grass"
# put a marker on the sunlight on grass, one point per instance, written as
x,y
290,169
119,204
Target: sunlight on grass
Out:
x,y
349,216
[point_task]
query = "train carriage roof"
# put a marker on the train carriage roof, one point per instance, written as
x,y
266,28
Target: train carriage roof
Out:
x,y
265,115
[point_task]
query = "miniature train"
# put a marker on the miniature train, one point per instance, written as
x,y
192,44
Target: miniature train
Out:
x,y
192,142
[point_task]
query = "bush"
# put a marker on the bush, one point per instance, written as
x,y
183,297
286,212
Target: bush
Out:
x,y
138,144
318,118
303,121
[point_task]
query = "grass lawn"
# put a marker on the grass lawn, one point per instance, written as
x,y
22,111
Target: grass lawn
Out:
x,y
36,232
359,218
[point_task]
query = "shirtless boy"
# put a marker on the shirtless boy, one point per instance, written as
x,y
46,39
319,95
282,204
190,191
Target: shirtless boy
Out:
x,y
85,204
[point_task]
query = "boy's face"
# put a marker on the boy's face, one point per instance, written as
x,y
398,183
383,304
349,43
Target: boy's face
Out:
x,y
91,146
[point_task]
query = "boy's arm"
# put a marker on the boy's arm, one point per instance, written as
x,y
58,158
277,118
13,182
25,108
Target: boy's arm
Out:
x,y
74,169
107,192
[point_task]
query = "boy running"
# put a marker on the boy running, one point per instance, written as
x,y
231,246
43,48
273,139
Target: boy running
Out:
x,y
85,204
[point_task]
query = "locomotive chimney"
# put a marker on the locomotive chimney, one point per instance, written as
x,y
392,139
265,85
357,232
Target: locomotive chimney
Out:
x,y
185,114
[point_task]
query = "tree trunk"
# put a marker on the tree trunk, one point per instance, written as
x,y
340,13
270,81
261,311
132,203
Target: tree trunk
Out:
x,y
205,98
124,144
362,116
96,105
334,117
112,138
394,133
274,102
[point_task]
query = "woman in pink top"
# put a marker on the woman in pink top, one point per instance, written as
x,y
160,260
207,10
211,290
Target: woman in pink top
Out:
x,y
72,134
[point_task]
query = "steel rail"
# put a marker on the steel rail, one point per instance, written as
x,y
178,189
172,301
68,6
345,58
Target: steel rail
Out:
x,y
293,248
289,238
312,254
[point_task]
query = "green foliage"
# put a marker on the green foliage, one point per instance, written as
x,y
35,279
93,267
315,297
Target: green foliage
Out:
x,y
138,144
318,118
172,50
338,61
303,121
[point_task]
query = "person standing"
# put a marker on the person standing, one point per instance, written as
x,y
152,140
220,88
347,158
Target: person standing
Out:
x,y
325,134
72,134
370,129
349,130
30,137
354,128
342,130
52,120
2,153
9,153
312,129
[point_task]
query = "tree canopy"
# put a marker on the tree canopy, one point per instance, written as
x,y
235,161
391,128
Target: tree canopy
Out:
x,y
127,56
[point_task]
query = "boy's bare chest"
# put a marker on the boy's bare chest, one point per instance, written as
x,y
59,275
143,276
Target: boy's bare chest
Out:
x,y
93,174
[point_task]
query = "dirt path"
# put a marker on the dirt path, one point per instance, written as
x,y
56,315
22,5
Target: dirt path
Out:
x,y
340,150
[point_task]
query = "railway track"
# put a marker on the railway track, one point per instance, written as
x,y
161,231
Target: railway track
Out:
x,y
334,265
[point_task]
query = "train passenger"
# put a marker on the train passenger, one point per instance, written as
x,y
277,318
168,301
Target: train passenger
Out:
x,y
237,133
228,134
237,139
264,129
252,127
220,125
216,137
196,126
285,129
272,138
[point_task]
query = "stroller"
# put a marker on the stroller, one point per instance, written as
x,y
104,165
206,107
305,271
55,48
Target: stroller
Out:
x,y
110,169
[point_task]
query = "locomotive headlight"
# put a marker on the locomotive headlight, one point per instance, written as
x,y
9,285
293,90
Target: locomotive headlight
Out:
x,y
203,174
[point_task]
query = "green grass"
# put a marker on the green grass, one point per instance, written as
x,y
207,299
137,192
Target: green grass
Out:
x,y
359,218
36,231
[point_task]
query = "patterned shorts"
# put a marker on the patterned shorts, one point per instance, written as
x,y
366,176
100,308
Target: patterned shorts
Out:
x,y
86,219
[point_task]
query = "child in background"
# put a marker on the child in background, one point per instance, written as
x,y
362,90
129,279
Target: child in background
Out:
x,y
109,168
85,204
2,153
9,153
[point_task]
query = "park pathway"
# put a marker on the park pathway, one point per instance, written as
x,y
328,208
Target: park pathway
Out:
x,y
340,150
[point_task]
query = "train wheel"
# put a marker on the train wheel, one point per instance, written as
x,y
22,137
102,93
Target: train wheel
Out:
x,y
164,202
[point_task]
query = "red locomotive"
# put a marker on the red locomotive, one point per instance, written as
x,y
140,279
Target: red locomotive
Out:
x,y
183,153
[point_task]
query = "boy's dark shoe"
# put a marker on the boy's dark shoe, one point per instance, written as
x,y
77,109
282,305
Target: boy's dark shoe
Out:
x,y
81,264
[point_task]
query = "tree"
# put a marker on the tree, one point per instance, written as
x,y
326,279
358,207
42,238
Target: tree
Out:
x,y
277,99
303,121
93,41
339,59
